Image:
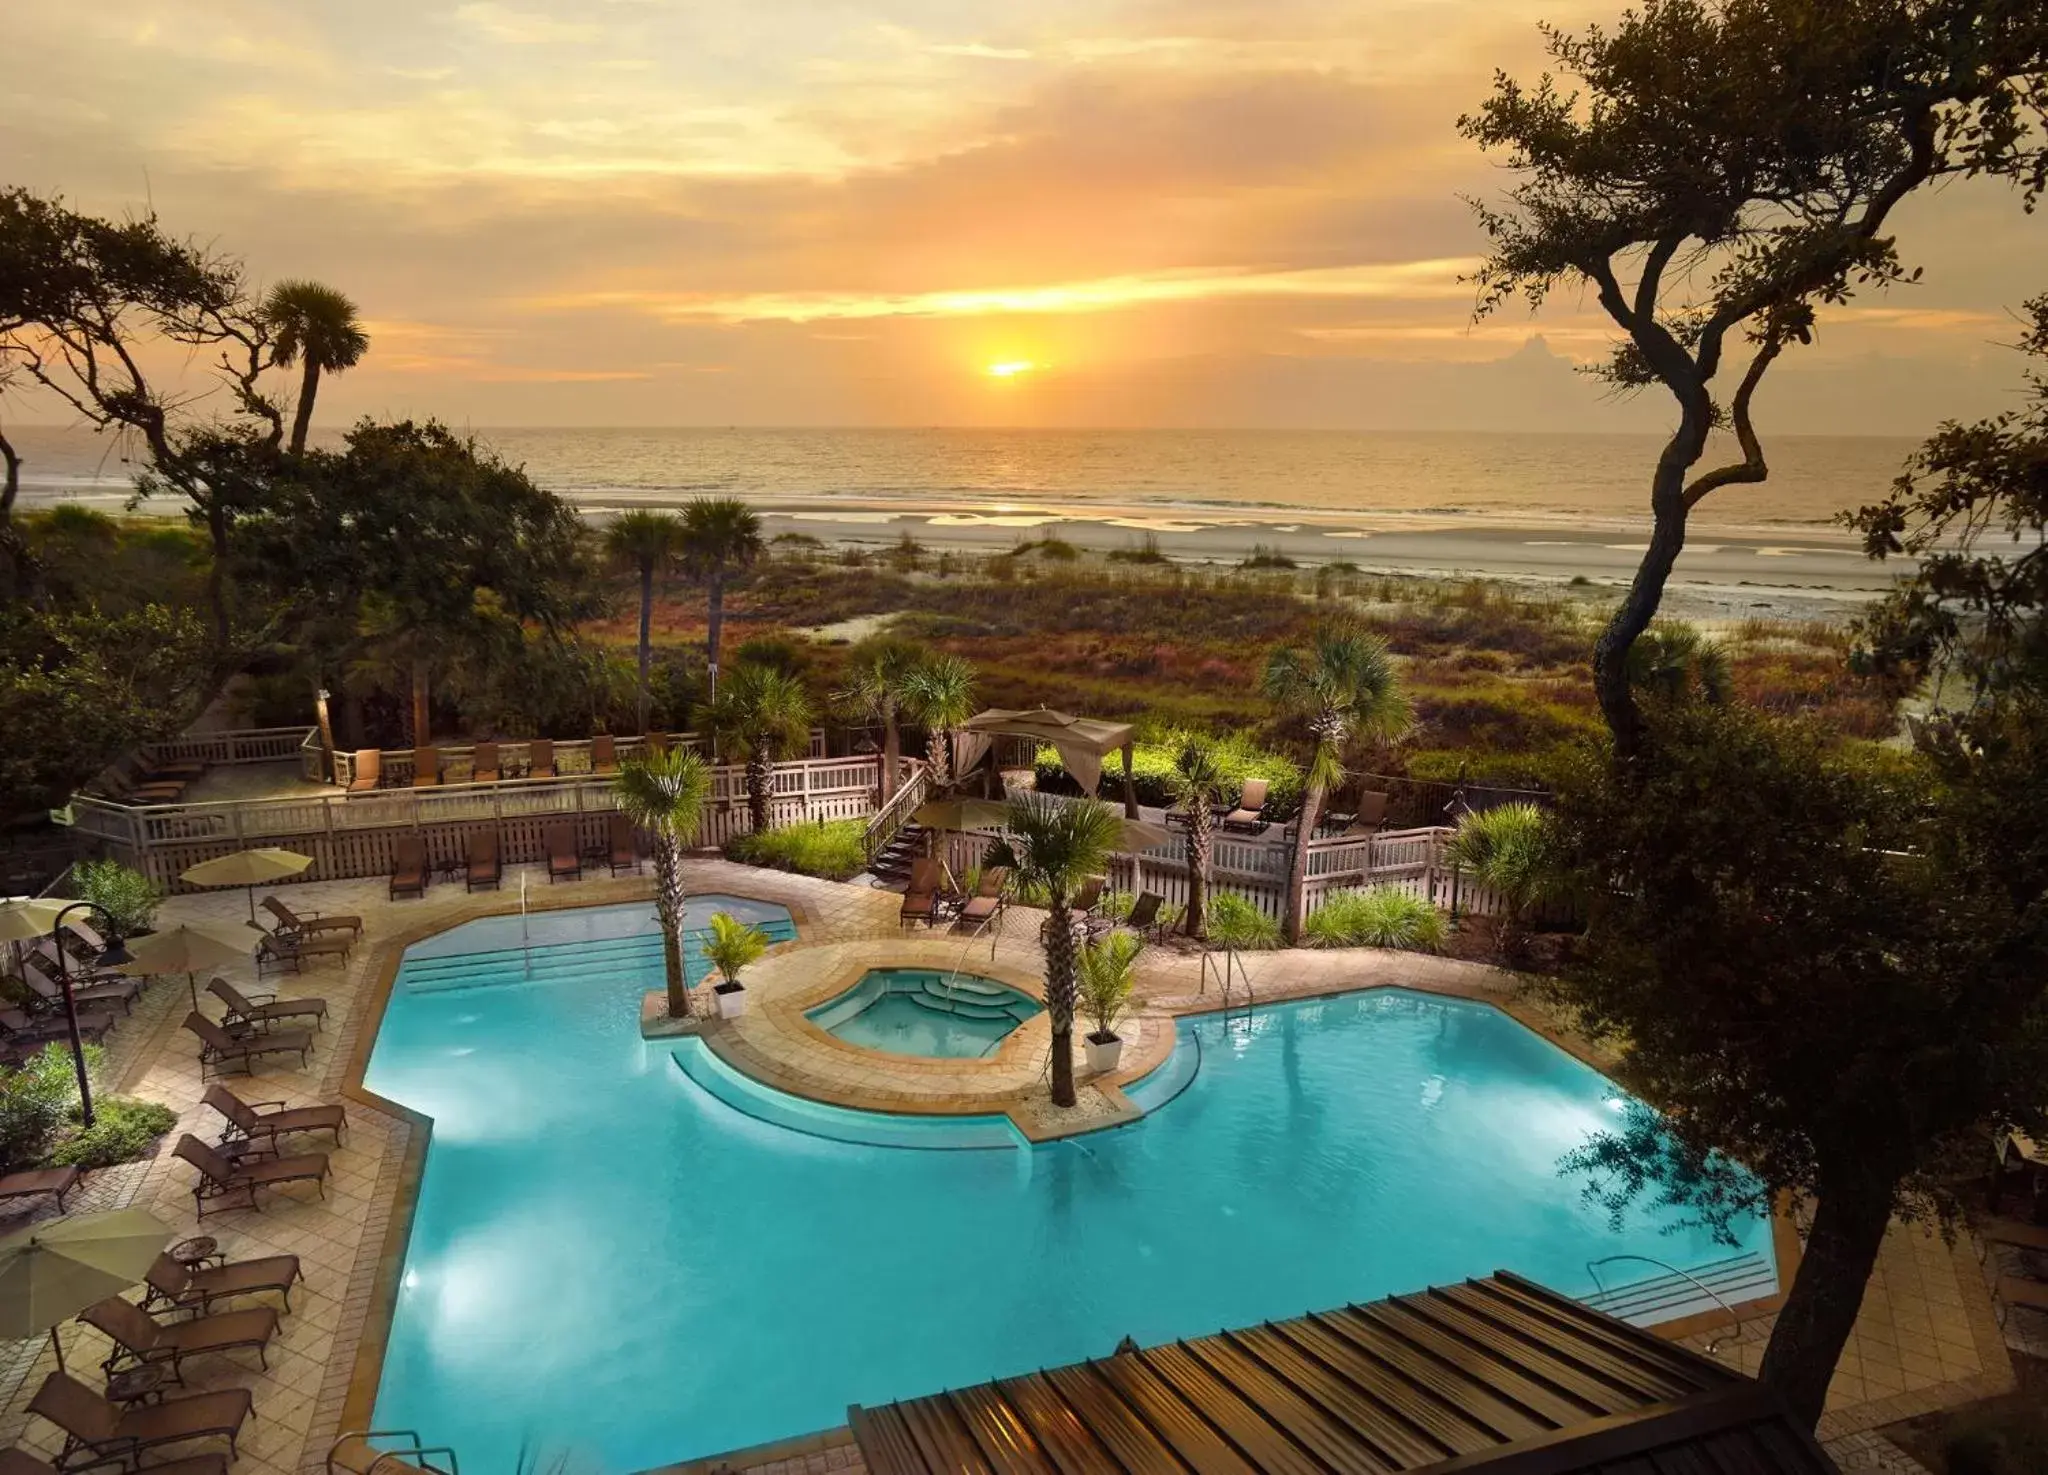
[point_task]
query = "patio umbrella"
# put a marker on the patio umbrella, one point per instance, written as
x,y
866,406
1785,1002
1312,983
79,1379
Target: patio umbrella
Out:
x,y
57,1269
28,917
185,949
250,868
961,814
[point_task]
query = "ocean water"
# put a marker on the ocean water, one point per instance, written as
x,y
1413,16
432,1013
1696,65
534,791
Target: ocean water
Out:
x,y
613,1263
1509,477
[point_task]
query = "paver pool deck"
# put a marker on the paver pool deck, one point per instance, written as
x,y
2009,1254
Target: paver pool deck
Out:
x,y
1926,1338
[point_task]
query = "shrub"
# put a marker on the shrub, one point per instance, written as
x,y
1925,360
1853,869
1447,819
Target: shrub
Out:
x,y
1152,769
123,1130
1507,848
127,896
1264,557
1234,922
1104,971
33,1101
1378,917
731,946
827,848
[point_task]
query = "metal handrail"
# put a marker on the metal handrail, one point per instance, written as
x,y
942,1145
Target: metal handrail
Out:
x,y
416,1455
1592,1269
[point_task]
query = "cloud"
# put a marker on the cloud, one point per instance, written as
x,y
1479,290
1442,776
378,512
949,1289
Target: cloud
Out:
x,y
523,27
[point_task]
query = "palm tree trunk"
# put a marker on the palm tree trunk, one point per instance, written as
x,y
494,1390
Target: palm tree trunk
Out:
x,y
1297,874
759,774
646,635
422,719
671,900
937,752
715,628
302,418
1201,841
892,752
1059,997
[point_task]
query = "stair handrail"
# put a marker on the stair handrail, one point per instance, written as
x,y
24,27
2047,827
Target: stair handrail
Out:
x,y
892,816
1714,1344
415,1455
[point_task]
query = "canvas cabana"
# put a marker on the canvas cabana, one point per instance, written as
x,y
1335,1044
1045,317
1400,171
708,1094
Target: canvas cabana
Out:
x,y
1083,742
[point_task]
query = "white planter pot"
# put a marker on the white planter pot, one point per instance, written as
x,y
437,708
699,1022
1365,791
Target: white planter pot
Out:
x,y
1103,1055
732,1003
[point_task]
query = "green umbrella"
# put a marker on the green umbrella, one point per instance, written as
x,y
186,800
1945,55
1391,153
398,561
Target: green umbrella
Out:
x,y
250,868
57,1269
185,949
27,918
961,814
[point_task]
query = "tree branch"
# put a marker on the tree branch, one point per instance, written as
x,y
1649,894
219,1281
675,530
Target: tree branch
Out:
x,y
1752,467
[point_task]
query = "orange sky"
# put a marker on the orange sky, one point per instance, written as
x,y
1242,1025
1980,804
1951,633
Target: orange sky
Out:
x,y
647,212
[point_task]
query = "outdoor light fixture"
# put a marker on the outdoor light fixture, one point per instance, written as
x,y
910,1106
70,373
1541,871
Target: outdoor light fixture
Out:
x,y
113,955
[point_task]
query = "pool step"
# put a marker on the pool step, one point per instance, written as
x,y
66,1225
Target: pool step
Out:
x,y
1668,1295
1173,1076
557,961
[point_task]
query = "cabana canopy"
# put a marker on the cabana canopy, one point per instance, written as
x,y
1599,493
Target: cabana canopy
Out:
x,y
1083,742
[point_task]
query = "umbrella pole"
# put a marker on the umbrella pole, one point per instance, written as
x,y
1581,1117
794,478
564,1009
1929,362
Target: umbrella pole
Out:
x,y
252,906
57,1347
192,988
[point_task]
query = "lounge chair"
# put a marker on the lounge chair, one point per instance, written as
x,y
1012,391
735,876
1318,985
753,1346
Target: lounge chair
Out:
x,y
21,1462
988,900
484,869
540,758
2014,1233
1371,817
219,1177
921,896
123,790
305,923
58,1181
140,1338
217,1047
604,754
483,764
169,770
262,1011
2012,1291
1144,914
16,1028
1246,816
625,844
190,1288
248,1122
426,767
369,770
41,977
653,744
93,1425
279,951
408,867
565,863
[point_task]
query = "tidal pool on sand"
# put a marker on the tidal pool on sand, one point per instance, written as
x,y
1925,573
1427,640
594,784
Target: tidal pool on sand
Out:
x,y
611,1264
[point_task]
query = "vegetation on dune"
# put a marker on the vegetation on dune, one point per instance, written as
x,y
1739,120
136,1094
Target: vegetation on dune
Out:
x,y
1157,773
828,848
763,714
1378,916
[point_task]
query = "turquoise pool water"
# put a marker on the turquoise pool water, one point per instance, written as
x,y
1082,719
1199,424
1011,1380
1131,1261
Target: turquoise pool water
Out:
x,y
920,1011
626,1255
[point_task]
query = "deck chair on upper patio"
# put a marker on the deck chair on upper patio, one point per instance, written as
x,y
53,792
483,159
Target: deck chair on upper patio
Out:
x,y
921,896
110,1433
1246,816
485,868
304,923
653,744
483,763
624,843
261,1011
1371,817
369,770
604,753
565,862
1144,914
540,758
220,1177
408,867
426,767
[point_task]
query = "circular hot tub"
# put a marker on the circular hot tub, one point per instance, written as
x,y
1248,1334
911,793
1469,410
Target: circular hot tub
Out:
x,y
924,1011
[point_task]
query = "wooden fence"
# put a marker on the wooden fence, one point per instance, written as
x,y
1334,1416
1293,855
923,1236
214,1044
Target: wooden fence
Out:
x,y
353,835
571,756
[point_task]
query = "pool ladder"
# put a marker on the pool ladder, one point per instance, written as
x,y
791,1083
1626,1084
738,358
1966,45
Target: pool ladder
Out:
x,y
1714,1344
1231,977
413,1456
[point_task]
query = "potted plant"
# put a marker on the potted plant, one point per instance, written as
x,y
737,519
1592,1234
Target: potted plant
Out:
x,y
730,946
1105,969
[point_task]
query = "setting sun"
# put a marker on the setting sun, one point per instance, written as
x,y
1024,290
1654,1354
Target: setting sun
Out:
x,y
1011,368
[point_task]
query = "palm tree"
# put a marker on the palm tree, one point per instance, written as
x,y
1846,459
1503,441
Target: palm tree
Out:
x,y
1673,660
316,328
648,542
1508,850
664,795
1196,783
1054,846
766,713
939,693
877,683
1343,685
721,535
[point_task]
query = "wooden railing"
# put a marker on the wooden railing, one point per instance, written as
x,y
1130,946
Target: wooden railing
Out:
x,y
572,757
892,816
353,834
248,745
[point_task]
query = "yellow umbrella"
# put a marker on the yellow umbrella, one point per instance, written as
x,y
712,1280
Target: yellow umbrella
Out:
x,y
185,949
28,917
961,814
57,1269
250,868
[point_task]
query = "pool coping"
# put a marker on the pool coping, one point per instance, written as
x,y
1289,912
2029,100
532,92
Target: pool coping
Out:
x,y
374,1283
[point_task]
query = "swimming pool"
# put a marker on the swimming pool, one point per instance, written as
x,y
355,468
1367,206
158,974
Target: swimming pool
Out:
x,y
924,1011
612,1261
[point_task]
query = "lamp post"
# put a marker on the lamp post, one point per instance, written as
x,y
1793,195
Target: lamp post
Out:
x,y
113,955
